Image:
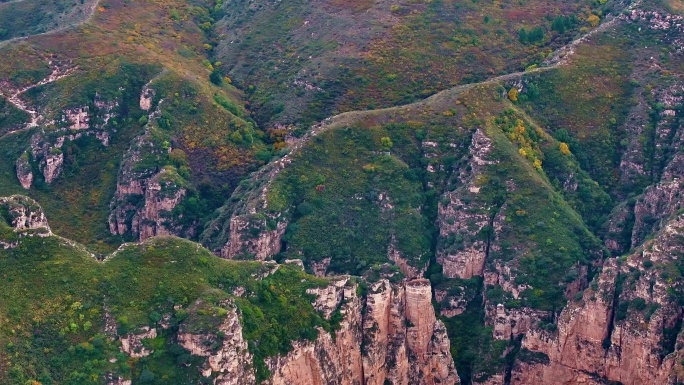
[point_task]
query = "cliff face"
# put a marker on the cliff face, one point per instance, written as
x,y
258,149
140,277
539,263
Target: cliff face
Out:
x,y
145,196
242,241
403,341
73,123
157,196
626,328
396,339
231,362
20,216
465,257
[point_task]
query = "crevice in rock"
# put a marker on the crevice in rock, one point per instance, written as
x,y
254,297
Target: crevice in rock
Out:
x,y
613,305
670,337
510,358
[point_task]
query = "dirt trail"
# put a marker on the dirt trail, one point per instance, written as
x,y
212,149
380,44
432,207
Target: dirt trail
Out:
x,y
267,173
59,71
558,58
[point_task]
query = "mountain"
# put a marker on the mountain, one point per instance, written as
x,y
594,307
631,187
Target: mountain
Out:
x,y
327,192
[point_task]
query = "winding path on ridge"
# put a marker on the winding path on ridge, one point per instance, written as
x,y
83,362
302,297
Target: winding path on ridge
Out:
x,y
267,173
558,58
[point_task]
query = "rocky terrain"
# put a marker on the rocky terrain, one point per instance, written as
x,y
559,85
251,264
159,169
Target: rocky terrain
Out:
x,y
326,192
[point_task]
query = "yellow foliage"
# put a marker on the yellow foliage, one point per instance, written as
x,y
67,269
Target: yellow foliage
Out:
x,y
522,152
513,94
564,149
520,127
537,164
593,20
369,168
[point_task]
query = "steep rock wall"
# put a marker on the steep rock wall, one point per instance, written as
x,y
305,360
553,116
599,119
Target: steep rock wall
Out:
x,y
396,338
626,328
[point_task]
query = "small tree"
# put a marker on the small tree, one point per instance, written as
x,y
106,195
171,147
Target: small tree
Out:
x,y
216,77
386,143
564,149
513,94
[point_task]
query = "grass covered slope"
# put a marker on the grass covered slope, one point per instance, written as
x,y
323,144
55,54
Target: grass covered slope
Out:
x,y
30,17
327,55
55,300
112,57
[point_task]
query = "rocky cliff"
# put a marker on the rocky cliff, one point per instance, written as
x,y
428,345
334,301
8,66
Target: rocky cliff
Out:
x,y
390,335
626,328
46,147
21,216
145,193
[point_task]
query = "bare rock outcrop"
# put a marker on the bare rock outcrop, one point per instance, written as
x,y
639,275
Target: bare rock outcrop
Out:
x,y
112,379
20,216
228,359
157,196
329,298
146,194
627,327
24,171
328,359
397,338
132,343
24,213
404,343
462,253
47,146
254,235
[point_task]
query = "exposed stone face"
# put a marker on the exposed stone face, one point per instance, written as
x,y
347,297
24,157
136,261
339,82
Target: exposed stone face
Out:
x,y
77,118
243,240
76,122
320,268
24,216
328,298
132,345
146,97
616,332
116,380
657,204
24,172
25,213
511,323
404,343
664,169
452,304
231,363
397,339
464,257
160,195
394,255
618,237
326,360
145,197
53,167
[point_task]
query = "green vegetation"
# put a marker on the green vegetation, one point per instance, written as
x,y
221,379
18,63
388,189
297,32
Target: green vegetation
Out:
x,y
356,192
30,17
427,47
55,297
584,105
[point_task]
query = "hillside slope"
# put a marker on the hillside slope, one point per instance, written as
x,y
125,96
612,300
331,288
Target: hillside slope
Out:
x,y
401,192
